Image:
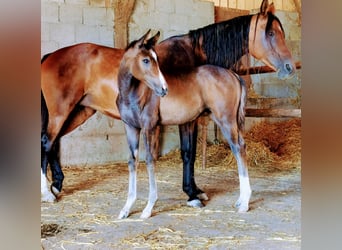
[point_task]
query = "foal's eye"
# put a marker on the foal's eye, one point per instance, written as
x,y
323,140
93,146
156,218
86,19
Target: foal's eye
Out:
x,y
271,33
146,61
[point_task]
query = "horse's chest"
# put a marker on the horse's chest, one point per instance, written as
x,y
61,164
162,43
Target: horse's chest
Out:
x,y
145,116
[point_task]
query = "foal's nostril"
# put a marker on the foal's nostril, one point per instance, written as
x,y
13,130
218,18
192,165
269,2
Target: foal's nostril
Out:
x,y
288,67
164,92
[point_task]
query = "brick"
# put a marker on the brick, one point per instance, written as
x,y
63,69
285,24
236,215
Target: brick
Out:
x,y
70,14
45,32
87,33
106,36
178,22
50,12
79,2
184,7
165,6
63,34
48,47
95,16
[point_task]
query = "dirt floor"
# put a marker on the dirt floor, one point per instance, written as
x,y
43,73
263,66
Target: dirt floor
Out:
x,y
85,217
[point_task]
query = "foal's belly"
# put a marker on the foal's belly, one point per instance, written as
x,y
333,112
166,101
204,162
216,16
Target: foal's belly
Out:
x,y
179,108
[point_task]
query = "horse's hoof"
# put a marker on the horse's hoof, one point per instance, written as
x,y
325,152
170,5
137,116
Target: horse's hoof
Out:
x,y
202,197
242,208
55,190
123,214
48,197
145,215
195,203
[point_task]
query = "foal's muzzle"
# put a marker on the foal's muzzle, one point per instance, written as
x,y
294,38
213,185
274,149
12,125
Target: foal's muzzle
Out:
x,y
164,92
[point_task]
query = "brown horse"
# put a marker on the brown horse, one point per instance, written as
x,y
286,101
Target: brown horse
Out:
x,y
207,88
79,80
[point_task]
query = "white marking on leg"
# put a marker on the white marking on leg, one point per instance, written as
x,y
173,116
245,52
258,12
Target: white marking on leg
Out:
x,y
153,193
245,193
245,189
132,188
194,203
46,195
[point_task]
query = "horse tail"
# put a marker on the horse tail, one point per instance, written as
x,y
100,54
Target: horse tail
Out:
x,y
44,110
242,104
44,114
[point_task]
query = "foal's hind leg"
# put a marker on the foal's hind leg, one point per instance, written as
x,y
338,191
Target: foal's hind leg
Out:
x,y
133,162
151,149
237,145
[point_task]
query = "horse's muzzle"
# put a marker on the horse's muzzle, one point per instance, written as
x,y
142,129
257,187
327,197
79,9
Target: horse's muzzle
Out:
x,y
164,92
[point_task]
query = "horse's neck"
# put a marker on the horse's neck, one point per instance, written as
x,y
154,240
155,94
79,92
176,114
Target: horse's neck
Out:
x,y
132,91
223,44
176,54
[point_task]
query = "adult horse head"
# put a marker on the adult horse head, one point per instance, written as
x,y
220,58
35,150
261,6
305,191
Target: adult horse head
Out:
x,y
223,44
267,41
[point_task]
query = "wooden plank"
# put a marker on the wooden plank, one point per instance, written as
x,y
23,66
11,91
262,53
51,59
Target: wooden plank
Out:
x,y
276,113
271,102
261,70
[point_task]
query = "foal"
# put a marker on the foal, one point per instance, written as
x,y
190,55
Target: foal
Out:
x,y
139,110
206,89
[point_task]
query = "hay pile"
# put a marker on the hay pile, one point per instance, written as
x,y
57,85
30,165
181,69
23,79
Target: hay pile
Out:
x,y
271,147
274,146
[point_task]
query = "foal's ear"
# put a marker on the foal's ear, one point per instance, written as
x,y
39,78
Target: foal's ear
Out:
x,y
153,40
271,9
143,39
267,8
263,7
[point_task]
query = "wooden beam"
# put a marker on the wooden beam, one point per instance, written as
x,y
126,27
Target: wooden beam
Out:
x,y
261,70
276,113
123,10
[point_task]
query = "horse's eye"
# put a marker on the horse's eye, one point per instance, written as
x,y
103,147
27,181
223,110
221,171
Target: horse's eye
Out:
x,y
271,33
146,61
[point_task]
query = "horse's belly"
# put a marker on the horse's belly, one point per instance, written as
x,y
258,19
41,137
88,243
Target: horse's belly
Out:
x,y
175,111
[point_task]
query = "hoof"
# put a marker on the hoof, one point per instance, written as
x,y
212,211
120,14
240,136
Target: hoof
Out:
x,y
241,206
48,197
123,214
145,214
194,203
55,191
202,197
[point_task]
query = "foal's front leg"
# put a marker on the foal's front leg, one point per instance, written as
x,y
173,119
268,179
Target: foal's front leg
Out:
x,y
151,154
132,135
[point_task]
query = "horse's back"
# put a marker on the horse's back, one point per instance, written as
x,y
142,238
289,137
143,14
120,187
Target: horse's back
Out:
x,y
85,72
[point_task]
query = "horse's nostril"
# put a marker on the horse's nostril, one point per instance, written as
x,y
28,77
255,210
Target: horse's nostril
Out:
x,y
288,67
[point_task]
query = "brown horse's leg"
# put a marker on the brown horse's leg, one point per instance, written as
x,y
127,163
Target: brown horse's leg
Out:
x,y
188,140
79,115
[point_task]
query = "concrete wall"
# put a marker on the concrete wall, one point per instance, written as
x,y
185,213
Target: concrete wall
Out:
x,y
101,139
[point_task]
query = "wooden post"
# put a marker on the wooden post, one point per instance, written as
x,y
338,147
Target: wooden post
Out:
x,y
123,10
203,121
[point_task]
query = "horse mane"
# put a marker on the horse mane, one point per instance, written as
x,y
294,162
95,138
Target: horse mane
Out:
x,y
223,43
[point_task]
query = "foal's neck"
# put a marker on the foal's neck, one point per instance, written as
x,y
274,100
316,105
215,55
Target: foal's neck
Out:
x,y
132,90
